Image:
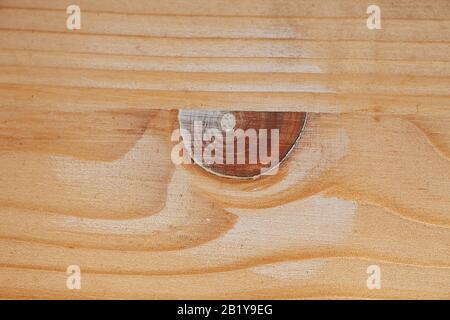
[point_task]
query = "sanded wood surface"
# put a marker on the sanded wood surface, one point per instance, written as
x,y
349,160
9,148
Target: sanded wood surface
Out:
x,y
86,176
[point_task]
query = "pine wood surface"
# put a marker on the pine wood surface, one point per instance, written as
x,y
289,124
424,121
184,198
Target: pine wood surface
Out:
x,y
86,176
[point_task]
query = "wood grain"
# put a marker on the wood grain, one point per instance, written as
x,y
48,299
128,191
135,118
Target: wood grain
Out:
x,y
86,176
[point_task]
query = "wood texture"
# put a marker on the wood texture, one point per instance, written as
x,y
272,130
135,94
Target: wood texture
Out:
x,y
86,176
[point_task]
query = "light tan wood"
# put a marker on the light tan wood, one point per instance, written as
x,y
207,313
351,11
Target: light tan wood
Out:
x,y
86,176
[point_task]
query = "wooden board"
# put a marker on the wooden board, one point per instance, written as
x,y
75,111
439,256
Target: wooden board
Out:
x,y
86,176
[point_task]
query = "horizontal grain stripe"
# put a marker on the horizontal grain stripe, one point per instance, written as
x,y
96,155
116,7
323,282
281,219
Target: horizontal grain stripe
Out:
x,y
226,82
204,15
75,98
347,280
180,47
427,31
437,9
217,64
299,40
211,271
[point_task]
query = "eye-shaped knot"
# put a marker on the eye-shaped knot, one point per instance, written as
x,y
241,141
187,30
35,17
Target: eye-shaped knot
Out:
x,y
240,144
